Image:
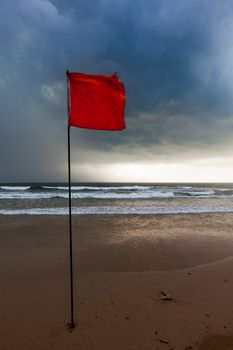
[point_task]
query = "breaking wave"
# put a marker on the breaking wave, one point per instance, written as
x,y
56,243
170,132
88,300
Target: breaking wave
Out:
x,y
113,192
119,210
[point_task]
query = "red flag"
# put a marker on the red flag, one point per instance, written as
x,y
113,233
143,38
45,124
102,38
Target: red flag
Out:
x,y
96,101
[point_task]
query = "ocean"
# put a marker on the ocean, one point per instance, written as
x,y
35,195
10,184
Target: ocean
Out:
x,y
114,199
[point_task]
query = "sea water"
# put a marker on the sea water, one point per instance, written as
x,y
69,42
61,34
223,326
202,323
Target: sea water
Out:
x,y
112,198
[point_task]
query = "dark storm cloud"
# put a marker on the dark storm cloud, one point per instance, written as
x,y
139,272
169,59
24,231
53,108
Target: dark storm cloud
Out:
x,y
175,58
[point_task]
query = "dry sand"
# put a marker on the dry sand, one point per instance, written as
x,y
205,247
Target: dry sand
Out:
x,y
121,265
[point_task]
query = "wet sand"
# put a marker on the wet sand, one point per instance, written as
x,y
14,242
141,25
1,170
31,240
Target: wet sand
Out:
x,y
121,265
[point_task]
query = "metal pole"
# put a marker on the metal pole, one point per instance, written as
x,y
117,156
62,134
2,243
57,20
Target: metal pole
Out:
x,y
71,324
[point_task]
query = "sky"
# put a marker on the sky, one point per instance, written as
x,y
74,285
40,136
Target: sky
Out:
x,y
175,58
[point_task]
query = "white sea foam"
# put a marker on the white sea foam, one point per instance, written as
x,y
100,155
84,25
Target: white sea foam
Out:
x,y
87,195
125,192
199,193
98,188
14,188
28,195
184,187
118,210
105,194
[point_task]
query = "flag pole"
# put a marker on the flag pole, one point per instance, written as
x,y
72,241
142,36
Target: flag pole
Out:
x,y
71,324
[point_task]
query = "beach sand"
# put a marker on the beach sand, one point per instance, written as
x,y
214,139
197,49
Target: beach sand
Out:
x,y
121,265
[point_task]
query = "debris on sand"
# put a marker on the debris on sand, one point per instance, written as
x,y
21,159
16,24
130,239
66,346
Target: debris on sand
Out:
x,y
166,296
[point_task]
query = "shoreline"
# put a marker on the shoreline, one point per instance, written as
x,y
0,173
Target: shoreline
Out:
x,y
122,243
82,211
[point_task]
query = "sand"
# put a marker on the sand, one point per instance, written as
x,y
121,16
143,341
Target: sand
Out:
x,y
121,265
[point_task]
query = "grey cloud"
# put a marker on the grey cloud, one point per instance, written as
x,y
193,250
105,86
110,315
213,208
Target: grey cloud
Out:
x,y
174,58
